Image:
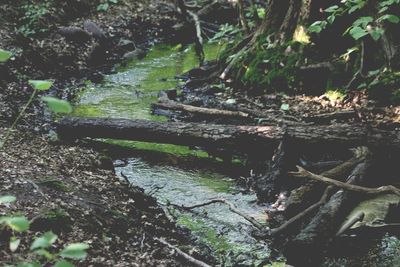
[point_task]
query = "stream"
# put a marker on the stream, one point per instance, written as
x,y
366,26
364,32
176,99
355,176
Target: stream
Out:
x,y
128,93
183,176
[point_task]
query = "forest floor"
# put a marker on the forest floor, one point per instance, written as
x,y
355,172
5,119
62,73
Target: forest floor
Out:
x,y
70,190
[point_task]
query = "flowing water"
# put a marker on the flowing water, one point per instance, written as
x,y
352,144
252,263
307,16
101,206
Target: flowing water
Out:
x,y
128,93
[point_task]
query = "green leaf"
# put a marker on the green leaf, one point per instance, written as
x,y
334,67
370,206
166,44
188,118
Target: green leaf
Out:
x,y
18,223
63,263
357,32
40,85
377,33
44,253
389,17
317,26
113,1
76,251
57,105
285,107
4,55
332,9
331,19
14,243
103,7
45,241
363,21
7,199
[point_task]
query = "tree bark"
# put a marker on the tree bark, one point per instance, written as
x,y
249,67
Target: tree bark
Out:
x,y
242,138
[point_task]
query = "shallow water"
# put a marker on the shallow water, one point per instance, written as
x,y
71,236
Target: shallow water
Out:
x,y
128,94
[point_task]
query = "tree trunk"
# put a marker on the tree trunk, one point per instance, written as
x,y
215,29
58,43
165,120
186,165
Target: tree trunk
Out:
x,y
238,138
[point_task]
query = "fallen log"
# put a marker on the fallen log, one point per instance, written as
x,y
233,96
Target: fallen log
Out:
x,y
249,139
306,248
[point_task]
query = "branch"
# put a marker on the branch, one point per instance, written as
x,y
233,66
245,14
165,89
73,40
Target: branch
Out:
x,y
371,191
183,254
303,214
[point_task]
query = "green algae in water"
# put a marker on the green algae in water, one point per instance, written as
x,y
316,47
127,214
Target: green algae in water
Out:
x,y
130,92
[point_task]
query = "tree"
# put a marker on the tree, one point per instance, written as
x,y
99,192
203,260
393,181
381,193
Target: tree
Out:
x,y
333,27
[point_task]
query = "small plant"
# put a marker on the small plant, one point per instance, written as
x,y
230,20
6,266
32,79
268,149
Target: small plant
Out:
x,y
362,26
4,55
103,7
41,247
226,32
32,20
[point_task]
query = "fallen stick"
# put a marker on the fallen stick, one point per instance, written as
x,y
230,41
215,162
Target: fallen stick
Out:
x,y
356,188
308,193
200,111
232,208
184,255
300,216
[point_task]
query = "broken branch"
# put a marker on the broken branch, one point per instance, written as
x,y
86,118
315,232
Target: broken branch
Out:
x,y
356,188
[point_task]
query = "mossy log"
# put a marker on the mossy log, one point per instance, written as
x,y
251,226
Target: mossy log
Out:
x,y
232,137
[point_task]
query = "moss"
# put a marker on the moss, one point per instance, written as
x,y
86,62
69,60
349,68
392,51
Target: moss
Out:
x,y
55,184
206,234
170,149
56,220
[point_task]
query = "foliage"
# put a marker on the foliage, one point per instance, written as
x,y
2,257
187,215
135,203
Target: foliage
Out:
x,y
383,86
4,55
364,25
271,66
41,248
103,7
32,20
56,105
226,32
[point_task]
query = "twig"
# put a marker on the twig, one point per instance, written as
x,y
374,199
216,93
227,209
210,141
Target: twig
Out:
x,y
231,208
183,254
356,188
303,214
126,179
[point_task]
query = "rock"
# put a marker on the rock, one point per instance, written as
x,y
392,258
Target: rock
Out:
x,y
75,34
126,45
94,30
97,56
230,101
137,54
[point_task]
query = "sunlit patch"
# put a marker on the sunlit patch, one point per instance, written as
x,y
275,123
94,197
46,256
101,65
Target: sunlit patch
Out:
x,y
300,35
